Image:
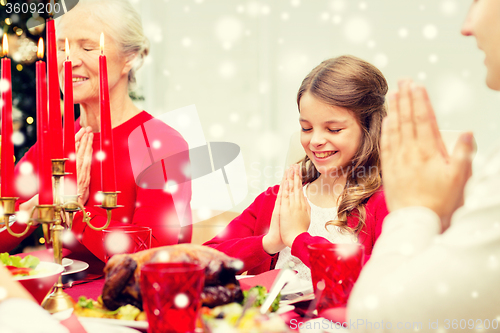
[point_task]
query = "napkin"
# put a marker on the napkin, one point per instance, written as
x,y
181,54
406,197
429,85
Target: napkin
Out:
x,y
73,324
20,315
336,315
265,279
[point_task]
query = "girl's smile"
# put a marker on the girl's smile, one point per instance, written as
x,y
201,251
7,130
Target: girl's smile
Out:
x,y
323,155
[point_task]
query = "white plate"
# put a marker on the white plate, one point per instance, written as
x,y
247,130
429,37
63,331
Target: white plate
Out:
x,y
66,262
75,267
297,286
99,327
321,325
115,323
293,287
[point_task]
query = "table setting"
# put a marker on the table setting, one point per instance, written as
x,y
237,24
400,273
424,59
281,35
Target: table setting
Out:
x,y
174,289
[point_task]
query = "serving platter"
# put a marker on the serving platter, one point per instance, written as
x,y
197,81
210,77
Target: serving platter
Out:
x,y
138,325
296,286
142,325
104,323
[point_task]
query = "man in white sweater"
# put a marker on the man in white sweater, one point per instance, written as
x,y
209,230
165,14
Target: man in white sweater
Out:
x,y
425,273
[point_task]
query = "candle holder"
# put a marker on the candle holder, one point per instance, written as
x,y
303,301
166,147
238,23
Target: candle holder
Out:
x,y
52,218
8,209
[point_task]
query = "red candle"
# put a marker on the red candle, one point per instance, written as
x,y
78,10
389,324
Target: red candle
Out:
x,y
45,165
108,159
7,172
55,122
69,127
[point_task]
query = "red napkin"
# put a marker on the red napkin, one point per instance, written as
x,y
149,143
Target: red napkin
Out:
x,y
73,324
265,279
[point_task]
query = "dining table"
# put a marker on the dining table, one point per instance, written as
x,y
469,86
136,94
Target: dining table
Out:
x,y
90,284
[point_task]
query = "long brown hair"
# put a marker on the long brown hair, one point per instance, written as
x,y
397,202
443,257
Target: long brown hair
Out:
x,y
360,87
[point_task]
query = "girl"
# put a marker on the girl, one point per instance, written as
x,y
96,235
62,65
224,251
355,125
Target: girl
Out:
x,y
341,106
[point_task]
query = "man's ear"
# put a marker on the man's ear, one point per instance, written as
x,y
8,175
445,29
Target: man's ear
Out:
x,y
129,64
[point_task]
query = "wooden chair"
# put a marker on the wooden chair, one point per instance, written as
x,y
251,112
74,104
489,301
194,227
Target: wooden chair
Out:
x,y
205,230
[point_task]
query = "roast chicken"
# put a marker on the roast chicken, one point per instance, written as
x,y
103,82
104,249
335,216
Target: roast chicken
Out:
x,y
122,274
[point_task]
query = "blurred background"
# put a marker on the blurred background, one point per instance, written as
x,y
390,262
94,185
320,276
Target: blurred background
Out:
x,y
240,62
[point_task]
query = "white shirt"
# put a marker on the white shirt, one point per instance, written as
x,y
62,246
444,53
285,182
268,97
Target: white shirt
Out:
x,y
319,217
417,275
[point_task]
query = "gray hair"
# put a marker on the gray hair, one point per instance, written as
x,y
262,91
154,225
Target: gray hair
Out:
x,y
125,27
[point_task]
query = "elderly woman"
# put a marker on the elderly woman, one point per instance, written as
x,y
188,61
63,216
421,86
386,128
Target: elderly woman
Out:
x,y
126,47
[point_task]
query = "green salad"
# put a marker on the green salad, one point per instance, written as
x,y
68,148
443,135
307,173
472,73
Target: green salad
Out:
x,y
28,261
261,297
19,266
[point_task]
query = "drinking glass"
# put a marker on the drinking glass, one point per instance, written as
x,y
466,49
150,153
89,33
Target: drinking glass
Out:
x,y
336,268
171,296
125,239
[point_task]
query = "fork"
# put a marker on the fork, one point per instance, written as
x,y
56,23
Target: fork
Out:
x,y
252,296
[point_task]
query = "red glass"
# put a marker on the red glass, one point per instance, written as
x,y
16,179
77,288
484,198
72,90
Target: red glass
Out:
x,y
338,266
125,239
171,296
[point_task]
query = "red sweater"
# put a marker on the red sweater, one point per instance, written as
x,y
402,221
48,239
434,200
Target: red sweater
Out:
x,y
242,238
146,207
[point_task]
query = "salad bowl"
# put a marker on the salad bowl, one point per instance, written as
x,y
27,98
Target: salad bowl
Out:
x,y
41,280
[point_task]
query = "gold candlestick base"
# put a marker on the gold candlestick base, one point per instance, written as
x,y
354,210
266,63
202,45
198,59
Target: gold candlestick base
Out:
x,y
52,218
58,300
